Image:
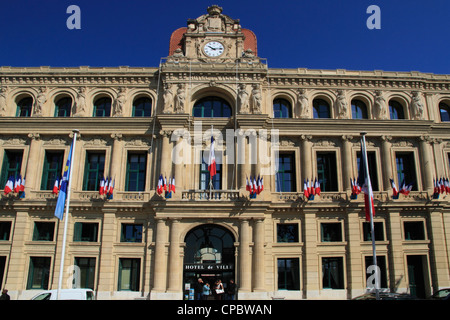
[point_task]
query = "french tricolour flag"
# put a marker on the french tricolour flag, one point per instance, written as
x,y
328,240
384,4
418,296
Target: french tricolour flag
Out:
x,y
9,185
212,159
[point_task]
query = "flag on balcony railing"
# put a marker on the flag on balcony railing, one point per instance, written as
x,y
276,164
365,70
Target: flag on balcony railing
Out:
x,y
212,159
159,188
317,187
22,188
101,190
406,188
394,189
9,187
17,183
173,185
56,186
110,192
306,189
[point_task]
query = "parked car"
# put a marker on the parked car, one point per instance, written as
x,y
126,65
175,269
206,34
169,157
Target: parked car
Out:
x,y
66,294
441,294
385,296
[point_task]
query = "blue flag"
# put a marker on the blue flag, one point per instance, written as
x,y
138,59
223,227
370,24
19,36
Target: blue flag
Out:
x,y
59,211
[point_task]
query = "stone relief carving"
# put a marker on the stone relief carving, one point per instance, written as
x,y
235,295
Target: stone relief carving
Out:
x,y
304,111
180,99
417,106
380,107
3,91
41,99
256,99
119,102
341,105
168,99
80,106
243,101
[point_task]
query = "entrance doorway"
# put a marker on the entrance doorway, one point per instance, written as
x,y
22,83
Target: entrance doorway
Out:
x,y
417,275
209,255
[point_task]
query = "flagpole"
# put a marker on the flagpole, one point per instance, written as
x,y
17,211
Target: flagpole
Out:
x,y
372,229
210,177
63,252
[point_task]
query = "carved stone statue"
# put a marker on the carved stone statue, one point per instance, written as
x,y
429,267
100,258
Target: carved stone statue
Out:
x,y
2,102
341,105
180,99
380,108
40,101
243,97
168,99
303,105
257,99
417,106
81,102
119,103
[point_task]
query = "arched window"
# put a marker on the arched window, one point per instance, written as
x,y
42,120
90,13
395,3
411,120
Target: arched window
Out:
x,y
102,107
142,107
282,109
24,107
396,110
359,110
63,107
321,109
444,110
212,107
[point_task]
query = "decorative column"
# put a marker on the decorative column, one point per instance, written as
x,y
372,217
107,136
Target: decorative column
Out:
x,y
312,266
160,261
439,250
386,161
166,154
396,251
244,257
258,257
32,163
347,162
241,147
116,160
306,157
427,163
174,257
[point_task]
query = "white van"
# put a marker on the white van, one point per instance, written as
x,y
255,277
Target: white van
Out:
x,y
66,294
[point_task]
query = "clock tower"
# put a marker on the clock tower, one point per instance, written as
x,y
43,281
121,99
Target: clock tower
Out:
x,y
213,38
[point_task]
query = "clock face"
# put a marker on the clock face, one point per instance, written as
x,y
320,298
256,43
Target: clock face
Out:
x,y
213,49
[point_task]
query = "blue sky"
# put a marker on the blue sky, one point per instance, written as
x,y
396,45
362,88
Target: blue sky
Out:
x,y
320,34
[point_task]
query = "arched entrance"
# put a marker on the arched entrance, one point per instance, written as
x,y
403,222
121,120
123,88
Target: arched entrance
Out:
x,y
209,254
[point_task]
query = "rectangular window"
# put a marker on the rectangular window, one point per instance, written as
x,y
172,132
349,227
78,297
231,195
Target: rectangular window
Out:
x,y
5,231
381,263
52,169
87,272
43,231
372,159
331,232
287,232
406,169
288,274
377,228
327,171
12,165
85,232
129,274
285,176
414,230
205,176
38,273
136,172
131,233
93,170
332,273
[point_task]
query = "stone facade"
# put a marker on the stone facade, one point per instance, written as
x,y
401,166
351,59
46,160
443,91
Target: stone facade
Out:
x,y
241,79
